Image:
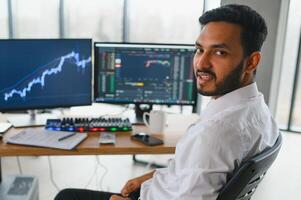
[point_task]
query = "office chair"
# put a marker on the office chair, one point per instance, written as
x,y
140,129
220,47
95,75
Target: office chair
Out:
x,y
243,183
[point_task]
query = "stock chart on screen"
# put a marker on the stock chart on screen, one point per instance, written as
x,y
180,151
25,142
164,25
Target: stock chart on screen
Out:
x,y
42,73
144,73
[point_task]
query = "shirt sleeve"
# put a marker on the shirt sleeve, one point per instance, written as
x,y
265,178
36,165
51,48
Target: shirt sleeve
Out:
x,y
204,158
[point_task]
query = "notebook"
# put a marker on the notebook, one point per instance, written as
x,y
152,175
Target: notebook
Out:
x,y
4,126
44,138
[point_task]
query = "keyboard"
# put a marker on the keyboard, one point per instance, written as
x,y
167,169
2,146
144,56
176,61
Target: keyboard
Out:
x,y
111,124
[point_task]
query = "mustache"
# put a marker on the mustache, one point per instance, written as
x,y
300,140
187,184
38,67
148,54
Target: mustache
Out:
x,y
205,71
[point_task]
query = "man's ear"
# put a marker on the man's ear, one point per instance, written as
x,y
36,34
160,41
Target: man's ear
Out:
x,y
252,62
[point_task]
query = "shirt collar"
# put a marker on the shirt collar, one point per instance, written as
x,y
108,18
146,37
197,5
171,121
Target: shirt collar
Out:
x,y
230,99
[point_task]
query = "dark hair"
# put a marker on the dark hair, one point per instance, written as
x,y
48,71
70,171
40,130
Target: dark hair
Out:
x,y
253,26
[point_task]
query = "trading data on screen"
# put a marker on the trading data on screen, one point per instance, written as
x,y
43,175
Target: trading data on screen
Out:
x,y
161,74
44,73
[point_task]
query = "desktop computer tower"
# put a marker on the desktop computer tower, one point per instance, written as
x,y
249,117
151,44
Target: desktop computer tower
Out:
x,y
19,188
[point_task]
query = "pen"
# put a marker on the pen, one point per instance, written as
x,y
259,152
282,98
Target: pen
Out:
x,y
66,136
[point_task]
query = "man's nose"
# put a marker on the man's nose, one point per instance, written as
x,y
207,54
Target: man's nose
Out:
x,y
202,61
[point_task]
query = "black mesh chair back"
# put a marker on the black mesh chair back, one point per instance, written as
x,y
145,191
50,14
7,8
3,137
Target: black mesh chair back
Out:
x,y
246,178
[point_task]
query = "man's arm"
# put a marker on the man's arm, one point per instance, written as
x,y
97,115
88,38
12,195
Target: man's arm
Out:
x,y
135,183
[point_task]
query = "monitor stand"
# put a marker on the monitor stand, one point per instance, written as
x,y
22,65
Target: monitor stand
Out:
x,y
29,119
139,110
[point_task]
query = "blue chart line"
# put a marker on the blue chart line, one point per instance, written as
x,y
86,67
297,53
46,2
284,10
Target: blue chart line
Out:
x,y
74,58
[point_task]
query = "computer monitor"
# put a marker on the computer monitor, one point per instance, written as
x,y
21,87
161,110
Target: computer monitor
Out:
x,y
144,74
44,73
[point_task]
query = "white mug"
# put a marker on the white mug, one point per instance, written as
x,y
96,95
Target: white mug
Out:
x,y
157,121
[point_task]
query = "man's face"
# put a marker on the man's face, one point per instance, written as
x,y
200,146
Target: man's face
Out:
x,y
218,61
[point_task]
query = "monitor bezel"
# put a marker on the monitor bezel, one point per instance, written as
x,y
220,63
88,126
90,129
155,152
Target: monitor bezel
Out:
x,y
154,45
54,105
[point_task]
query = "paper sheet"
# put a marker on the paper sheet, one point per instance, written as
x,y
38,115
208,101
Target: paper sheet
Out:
x,y
44,138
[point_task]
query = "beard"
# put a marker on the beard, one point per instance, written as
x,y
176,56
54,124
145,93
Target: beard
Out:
x,y
228,84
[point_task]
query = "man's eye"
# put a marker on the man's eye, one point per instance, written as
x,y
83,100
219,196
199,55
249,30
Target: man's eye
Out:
x,y
198,51
220,53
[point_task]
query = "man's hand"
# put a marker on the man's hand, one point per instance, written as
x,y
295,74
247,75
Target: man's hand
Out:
x,y
134,184
116,197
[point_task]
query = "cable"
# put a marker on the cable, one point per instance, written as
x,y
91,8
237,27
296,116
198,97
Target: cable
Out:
x,y
149,164
103,175
51,174
19,165
92,176
119,113
95,174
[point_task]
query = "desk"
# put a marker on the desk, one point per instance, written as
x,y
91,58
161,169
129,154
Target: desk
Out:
x,y
123,145
90,146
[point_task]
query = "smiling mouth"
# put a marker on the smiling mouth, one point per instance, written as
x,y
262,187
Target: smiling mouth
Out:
x,y
204,77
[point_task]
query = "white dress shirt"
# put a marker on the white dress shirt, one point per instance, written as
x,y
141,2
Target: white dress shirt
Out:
x,y
232,128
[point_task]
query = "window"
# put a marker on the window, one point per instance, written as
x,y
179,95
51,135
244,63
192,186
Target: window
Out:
x,y
284,106
3,19
296,107
35,18
97,19
168,21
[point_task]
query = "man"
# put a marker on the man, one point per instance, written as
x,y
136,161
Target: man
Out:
x,y
235,125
